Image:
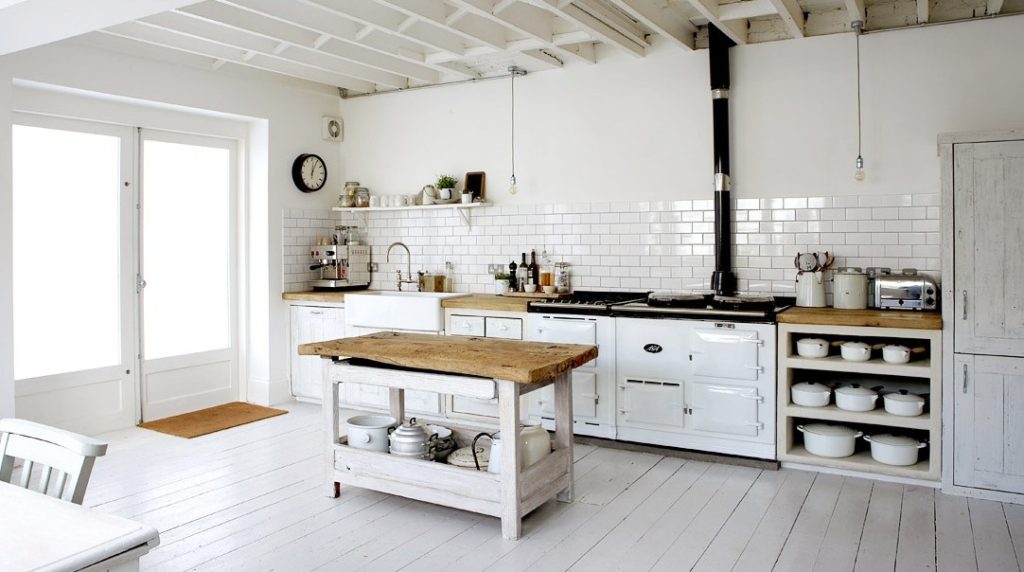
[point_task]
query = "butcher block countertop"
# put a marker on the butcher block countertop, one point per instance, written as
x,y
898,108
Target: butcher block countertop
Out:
x,y
910,319
521,362
487,302
316,296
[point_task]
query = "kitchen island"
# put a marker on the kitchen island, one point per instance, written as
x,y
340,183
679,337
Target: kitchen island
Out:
x,y
479,368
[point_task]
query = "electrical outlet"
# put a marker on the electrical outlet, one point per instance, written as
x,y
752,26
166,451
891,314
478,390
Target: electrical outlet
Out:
x,y
372,266
493,268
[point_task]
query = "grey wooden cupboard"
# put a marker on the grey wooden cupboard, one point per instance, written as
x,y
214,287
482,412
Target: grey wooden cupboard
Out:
x,y
983,313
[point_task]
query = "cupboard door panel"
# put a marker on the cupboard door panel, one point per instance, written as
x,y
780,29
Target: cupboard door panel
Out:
x,y
989,432
988,197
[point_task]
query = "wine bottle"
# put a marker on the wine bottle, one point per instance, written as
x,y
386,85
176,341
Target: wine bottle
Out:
x,y
522,277
533,269
512,286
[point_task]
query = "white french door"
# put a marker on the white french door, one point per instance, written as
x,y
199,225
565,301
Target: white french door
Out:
x,y
124,272
187,267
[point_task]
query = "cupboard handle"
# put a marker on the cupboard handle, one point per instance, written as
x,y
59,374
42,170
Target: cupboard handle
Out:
x,y
965,306
965,378
315,313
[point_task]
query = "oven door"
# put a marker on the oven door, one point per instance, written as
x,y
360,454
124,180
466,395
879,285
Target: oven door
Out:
x,y
652,404
725,353
724,409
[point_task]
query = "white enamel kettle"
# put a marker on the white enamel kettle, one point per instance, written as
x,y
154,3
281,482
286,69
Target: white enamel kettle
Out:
x,y
810,289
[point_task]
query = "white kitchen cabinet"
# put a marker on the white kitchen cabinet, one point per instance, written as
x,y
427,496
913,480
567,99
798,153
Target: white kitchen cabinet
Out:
x,y
989,436
487,324
312,324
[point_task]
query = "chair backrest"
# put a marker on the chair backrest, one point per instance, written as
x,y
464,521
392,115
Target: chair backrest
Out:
x,y
63,460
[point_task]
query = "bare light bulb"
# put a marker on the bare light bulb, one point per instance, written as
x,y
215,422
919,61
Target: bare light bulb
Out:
x,y
512,187
859,173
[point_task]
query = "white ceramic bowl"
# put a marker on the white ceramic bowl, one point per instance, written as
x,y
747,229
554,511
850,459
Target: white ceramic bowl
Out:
x,y
894,449
856,351
549,289
530,288
810,394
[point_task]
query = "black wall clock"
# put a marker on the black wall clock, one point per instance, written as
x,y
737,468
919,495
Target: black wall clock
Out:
x,y
309,172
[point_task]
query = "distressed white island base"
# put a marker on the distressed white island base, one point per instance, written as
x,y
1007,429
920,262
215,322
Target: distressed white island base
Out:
x,y
397,362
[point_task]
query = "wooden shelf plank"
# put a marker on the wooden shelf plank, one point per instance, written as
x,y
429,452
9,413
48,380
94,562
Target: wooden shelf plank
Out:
x,y
409,208
861,461
919,368
909,319
876,417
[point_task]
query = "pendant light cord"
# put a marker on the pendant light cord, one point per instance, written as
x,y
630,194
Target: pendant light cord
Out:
x,y
513,127
859,28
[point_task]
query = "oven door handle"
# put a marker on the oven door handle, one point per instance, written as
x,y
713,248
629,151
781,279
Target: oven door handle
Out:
x,y
754,396
756,341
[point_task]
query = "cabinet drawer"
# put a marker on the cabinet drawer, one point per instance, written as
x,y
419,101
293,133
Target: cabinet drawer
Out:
x,y
504,328
470,406
466,325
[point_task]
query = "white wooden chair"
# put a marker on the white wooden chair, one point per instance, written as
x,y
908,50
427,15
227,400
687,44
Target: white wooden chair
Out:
x,y
64,459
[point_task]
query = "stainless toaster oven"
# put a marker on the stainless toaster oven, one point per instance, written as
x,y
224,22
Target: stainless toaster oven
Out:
x,y
906,290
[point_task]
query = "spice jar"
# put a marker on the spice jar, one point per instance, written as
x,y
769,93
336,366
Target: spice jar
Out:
x,y
562,277
362,197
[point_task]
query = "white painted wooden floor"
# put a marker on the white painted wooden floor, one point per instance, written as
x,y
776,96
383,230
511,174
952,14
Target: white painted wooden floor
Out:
x,y
251,498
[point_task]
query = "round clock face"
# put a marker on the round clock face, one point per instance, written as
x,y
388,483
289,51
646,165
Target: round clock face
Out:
x,y
309,173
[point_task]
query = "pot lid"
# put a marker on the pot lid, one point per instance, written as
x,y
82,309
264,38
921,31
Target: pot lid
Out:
x,y
895,440
464,457
815,341
829,430
895,347
410,432
856,389
813,386
856,345
904,397
850,270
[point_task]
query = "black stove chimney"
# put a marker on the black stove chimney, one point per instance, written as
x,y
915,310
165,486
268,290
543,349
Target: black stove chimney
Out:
x,y
723,280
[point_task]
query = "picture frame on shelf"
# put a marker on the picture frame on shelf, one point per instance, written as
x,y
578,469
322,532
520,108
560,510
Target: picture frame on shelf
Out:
x,y
476,182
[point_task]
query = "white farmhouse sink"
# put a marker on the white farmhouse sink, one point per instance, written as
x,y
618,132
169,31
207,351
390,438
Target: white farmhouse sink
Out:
x,y
409,311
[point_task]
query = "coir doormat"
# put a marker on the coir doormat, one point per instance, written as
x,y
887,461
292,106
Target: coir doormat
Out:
x,y
212,419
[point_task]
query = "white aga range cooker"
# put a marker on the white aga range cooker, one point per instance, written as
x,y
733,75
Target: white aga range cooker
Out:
x,y
688,371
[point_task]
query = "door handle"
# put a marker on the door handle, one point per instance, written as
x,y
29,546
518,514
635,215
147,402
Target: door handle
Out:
x,y
757,398
965,310
139,283
752,341
758,426
965,379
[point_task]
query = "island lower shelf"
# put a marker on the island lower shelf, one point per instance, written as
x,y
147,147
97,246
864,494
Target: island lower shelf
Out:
x,y
448,485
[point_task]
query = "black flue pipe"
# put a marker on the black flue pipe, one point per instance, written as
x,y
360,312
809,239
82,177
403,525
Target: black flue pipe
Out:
x,y
723,279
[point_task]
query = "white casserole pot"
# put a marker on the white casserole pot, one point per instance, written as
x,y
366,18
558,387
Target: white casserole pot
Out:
x,y
893,449
896,354
810,394
369,432
856,351
853,397
812,347
827,440
903,403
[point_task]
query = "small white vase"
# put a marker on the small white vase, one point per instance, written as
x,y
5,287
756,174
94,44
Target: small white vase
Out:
x,y
501,287
467,198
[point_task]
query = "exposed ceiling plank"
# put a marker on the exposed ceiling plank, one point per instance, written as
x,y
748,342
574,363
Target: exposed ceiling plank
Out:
x,y
857,10
524,19
735,30
792,16
154,36
249,22
994,7
746,10
596,28
387,19
614,18
661,19
226,33
328,22
923,9
432,12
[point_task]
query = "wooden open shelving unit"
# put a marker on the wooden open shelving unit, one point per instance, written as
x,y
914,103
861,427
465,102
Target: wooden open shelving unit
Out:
x,y
871,326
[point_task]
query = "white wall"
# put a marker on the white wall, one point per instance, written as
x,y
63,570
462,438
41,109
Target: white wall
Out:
x,y
284,116
6,253
630,129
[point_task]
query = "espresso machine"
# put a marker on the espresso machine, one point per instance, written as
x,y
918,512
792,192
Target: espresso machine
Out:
x,y
344,264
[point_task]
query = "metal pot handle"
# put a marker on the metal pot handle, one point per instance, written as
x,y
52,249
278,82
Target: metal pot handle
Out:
x,y
867,438
801,429
472,448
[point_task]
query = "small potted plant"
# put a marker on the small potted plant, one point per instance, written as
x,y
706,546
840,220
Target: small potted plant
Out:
x,y
446,187
501,283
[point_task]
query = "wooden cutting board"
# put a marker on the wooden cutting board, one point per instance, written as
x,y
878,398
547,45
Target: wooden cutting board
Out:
x,y
512,360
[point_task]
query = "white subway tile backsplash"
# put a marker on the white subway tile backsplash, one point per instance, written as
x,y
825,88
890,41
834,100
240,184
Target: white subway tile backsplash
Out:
x,y
637,245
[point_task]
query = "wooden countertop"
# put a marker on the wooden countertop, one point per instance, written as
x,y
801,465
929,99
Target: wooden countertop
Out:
x,y
487,302
521,362
316,296
910,319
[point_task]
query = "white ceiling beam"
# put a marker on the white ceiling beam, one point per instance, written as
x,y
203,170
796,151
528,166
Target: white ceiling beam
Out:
x,y
432,13
923,11
207,17
29,24
356,30
993,7
383,18
746,10
856,10
596,28
792,16
155,36
661,19
615,18
735,30
524,19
